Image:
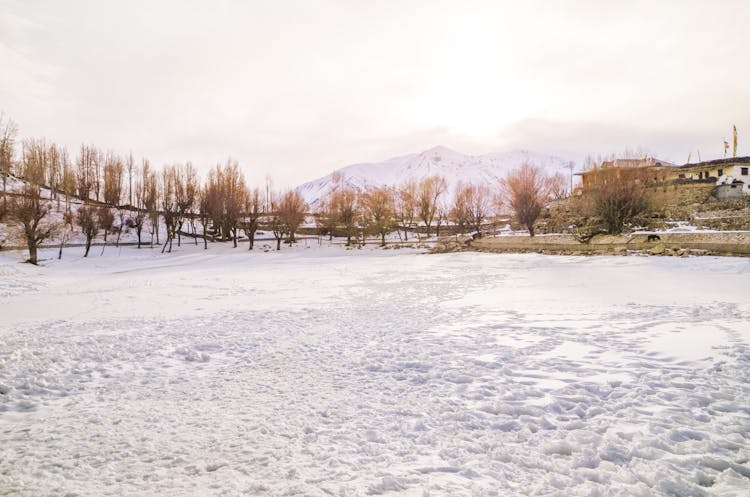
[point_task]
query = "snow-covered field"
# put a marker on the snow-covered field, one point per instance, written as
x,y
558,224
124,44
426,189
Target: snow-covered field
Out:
x,y
330,372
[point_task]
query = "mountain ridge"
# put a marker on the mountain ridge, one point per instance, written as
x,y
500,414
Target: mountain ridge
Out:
x,y
454,166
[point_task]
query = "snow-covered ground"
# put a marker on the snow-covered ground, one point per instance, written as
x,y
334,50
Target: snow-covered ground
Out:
x,y
322,371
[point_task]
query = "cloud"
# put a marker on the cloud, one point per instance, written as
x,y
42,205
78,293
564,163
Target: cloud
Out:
x,y
297,88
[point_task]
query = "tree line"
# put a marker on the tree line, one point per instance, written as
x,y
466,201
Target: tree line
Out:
x,y
118,192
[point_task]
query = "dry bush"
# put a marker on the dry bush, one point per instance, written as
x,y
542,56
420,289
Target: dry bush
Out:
x,y
618,196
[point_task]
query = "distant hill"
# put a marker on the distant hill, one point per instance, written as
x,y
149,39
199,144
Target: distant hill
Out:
x,y
453,166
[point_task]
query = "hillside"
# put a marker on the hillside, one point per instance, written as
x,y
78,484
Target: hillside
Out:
x,y
453,166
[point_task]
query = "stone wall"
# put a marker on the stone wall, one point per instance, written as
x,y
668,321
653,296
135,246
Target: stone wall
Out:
x,y
683,244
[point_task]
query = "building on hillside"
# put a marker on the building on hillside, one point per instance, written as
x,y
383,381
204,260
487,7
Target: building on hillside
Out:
x,y
734,172
653,169
728,189
734,168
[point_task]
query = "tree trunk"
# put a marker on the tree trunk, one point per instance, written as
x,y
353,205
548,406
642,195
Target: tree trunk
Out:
x,y
88,246
531,229
119,232
32,252
62,242
278,243
382,239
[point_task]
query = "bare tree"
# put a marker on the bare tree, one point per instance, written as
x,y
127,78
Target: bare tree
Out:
x,y
35,160
253,205
405,203
66,226
86,164
168,183
105,219
114,170
68,181
526,191
30,209
480,206
278,227
186,192
130,166
345,206
151,198
379,211
207,205
326,217
291,209
229,192
113,175
139,213
86,218
54,171
8,133
557,186
441,214
429,193
460,212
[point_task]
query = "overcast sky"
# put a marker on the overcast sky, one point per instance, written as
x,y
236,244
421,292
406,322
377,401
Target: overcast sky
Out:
x,y
296,89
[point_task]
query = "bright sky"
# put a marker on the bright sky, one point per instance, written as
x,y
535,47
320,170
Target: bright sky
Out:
x,y
296,89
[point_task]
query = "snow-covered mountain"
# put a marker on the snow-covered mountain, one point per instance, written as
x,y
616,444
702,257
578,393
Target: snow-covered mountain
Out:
x,y
453,166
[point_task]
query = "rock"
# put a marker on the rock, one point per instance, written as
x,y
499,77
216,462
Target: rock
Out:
x,y
657,249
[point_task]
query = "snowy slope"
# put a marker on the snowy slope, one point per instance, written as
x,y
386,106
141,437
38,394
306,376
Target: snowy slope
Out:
x,y
453,166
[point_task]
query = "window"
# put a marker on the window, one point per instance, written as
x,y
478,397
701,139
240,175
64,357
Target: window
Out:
x,y
743,171
721,172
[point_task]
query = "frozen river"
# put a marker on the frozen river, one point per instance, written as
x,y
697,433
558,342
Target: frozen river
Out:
x,y
323,372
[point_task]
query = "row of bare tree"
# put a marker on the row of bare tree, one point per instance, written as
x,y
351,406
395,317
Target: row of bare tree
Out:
x,y
421,205
115,192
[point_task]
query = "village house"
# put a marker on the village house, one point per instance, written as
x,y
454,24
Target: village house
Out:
x,y
730,175
657,170
734,168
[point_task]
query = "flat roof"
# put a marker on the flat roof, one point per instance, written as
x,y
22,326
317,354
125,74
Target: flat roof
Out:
x,y
718,162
